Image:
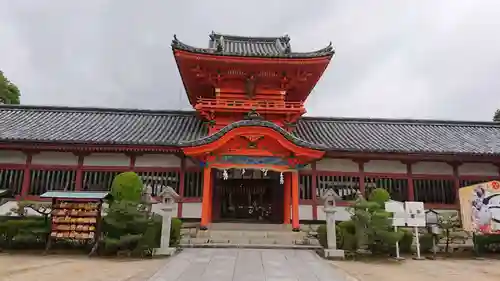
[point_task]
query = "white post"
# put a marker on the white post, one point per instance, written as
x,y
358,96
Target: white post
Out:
x,y
397,244
417,236
165,229
331,251
167,207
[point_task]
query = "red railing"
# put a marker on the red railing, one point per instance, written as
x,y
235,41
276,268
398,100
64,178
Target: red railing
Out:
x,y
206,103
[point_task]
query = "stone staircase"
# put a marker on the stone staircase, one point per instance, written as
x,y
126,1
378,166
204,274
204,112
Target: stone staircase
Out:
x,y
239,235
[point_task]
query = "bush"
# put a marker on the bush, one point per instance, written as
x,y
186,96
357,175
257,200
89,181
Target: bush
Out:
x,y
426,242
346,239
127,229
374,231
487,243
127,187
380,196
348,233
322,237
405,244
24,232
175,232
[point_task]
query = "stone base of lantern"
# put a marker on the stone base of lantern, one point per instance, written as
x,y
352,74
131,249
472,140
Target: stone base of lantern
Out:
x,y
165,251
333,254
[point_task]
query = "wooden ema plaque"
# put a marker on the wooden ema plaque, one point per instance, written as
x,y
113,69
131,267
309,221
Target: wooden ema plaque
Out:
x,y
75,220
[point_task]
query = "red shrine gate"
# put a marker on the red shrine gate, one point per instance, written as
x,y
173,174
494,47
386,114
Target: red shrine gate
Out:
x,y
245,145
251,92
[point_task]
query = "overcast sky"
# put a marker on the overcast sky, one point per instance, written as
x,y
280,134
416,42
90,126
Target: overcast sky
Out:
x,y
395,58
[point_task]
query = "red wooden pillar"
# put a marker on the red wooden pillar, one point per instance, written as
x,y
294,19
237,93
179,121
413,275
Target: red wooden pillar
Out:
x,y
181,186
313,191
26,176
79,173
411,189
205,203
131,163
456,180
287,198
361,167
211,199
295,201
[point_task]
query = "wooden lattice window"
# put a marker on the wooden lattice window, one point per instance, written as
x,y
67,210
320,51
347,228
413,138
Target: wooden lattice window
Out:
x,y
435,191
193,183
397,187
47,180
305,187
12,180
158,180
98,180
345,186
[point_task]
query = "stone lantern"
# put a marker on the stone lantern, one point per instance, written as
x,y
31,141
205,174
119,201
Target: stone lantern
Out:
x,y
168,200
329,206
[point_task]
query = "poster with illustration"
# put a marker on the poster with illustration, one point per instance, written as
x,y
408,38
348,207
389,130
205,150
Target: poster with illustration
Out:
x,y
480,207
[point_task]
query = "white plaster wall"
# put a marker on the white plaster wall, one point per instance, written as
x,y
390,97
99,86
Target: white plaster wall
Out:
x,y
106,159
385,166
158,160
55,158
340,165
305,212
480,169
191,210
432,168
342,213
12,157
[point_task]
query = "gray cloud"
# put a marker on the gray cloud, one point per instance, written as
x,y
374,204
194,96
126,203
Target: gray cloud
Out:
x,y
403,59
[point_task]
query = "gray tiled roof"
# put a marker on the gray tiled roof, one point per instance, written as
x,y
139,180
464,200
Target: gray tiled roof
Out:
x,y
101,126
405,136
177,128
231,45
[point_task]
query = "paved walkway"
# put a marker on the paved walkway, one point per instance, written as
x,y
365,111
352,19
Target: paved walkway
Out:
x,y
246,265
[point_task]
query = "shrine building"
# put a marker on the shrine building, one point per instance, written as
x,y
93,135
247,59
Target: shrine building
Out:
x,y
245,153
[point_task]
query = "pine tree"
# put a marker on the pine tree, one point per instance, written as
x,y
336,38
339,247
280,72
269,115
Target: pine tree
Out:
x,y
496,116
9,93
374,231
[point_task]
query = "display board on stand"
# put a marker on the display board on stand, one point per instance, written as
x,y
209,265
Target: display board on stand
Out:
x,y
411,214
76,216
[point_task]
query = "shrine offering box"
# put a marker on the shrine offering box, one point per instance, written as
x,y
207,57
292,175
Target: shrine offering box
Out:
x,y
75,215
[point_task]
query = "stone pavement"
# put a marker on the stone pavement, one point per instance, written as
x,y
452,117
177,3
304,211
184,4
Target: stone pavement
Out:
x,y
247,265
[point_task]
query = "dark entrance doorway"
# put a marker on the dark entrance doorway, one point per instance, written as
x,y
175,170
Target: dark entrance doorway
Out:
x,y
251,196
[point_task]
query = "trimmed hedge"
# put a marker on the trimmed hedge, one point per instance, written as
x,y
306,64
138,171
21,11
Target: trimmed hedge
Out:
x,y
32,233
127,186
24,233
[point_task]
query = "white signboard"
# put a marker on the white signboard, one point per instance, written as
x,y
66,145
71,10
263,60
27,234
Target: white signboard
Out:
x,y
398,210
415,214
407,213
394,206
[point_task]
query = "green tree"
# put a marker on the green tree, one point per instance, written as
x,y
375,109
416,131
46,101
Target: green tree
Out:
x,y
372,223
127,186
9,92
128,229
496,116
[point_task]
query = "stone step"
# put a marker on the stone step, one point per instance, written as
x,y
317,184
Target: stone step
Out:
x,y
252,246
244,241
249,226
250,234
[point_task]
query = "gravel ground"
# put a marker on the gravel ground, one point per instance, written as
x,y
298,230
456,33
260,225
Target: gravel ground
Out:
x,y
412,270
45,268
